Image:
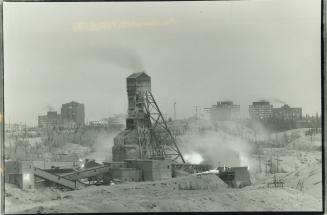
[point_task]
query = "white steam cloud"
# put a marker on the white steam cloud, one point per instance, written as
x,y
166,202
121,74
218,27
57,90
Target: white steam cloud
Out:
x,y
220,147
193,158
103,147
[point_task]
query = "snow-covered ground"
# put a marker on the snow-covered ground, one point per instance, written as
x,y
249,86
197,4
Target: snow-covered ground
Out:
x,y
300,168
189,193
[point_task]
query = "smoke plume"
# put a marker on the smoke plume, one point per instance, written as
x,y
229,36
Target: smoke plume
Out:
x,y
102,148
119,56
90,49
216,148
193,157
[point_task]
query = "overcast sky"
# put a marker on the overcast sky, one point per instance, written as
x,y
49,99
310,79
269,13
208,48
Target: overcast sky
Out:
x,y
197,53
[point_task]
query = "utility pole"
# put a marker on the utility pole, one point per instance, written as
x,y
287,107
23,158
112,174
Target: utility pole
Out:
x,y
24,136
259,156
174,110
278,160
271,160
260,163
255,137
268,164
196,111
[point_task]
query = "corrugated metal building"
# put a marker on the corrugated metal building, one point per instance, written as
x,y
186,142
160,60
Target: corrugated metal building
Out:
x,y
152,170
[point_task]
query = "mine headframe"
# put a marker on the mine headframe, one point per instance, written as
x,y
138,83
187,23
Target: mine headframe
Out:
x,y
155,138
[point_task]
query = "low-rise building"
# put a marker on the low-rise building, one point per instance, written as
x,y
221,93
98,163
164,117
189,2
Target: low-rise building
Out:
x,y
72,115
287,113
98,123
51,120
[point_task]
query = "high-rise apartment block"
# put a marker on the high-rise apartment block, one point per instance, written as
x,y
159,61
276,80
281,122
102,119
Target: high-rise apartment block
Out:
x,y
224,110
261,110
73,112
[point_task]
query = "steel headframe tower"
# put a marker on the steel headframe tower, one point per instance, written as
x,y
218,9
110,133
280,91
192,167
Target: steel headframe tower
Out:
x,y
155,139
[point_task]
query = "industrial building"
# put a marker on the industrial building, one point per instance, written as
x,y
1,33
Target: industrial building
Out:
x,y
52,119
115,122
20,173
147,135
261,110
73,112
145,151
72,115
224,110
137,85
287,113
126,143
152,170
139,152
98,123
235,176
30,174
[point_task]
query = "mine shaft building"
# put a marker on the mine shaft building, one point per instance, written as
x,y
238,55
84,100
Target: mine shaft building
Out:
x,y
128,146
126,143
137,85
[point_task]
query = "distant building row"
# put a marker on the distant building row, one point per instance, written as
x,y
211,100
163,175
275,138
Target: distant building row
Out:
x,y
265,110
227,110
115,122
72,115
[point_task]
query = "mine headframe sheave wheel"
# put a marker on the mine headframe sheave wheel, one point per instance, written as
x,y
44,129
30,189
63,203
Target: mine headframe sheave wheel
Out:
x,y
155,138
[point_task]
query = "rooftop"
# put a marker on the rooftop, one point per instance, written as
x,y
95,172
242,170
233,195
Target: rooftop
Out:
x,y
72,102
137,74
262,102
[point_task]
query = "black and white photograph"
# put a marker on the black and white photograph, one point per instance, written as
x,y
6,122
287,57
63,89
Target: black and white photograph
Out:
x,y
162,106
